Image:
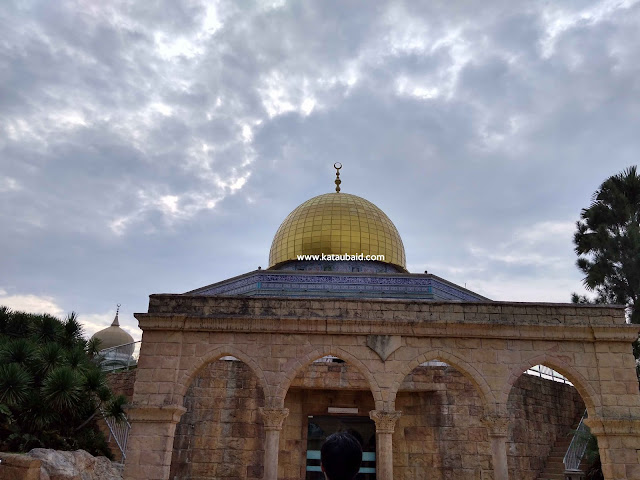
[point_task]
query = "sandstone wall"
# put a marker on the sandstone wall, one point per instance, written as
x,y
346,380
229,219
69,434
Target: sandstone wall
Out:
x,y
221,434
440,435
541,413
121,382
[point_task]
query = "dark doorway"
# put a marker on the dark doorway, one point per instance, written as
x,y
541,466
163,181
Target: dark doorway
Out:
x,y
321,426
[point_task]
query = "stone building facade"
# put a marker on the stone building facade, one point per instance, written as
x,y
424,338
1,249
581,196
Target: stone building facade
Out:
x,y
491,344
265,414
440,434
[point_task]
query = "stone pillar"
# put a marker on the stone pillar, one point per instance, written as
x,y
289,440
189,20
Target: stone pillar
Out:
x,y
498,430
385,425
273,419
150,442
619,445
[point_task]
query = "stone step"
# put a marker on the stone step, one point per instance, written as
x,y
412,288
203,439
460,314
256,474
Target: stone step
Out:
x,y
565,446
555,459
554,466
552,476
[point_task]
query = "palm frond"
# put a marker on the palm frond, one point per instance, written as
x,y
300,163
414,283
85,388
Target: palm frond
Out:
x,y
73,330
46,328
50,357
15,384
62,389
115,408
19,350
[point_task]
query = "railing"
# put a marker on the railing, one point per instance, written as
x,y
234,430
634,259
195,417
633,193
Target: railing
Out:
x,y
120,433
434,363
327,359
578,446
120,356
548,374
537,371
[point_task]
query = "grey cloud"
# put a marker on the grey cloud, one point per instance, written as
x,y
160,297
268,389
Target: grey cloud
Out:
x,y
466,125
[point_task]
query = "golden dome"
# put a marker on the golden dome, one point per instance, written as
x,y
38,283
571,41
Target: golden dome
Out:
x,y
337,223
114,336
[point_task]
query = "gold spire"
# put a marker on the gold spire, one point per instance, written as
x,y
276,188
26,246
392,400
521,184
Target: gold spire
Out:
x,y
337,166
116,323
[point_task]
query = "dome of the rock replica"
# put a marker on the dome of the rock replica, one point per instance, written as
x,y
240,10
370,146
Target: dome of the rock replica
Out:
x,y
335,224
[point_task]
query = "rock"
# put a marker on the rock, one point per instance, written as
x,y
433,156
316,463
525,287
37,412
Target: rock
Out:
x,y
78,465
13,466
56,464
104,468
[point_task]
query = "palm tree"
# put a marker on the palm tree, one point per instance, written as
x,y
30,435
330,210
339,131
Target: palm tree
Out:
x,y
607,241
52,390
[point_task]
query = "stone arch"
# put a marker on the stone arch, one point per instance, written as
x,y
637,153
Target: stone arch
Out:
x,y
589,395
187,376
222,401
336,351
466,369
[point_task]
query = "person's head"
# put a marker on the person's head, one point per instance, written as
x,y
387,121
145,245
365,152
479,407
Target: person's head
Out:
x,y
341,456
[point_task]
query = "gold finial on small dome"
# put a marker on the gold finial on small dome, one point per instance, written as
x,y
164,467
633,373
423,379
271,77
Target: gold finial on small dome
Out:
x,y
115,336
337,166
116,322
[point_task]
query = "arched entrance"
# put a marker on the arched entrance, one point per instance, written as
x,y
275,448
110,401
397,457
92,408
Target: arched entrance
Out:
x,y
325,396
440,434
544,409
220,436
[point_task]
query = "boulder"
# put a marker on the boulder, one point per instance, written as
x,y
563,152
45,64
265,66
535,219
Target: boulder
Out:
x,y
77,465
15,466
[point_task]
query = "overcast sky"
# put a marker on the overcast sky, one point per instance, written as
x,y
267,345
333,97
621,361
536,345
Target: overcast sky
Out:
x,y
152,147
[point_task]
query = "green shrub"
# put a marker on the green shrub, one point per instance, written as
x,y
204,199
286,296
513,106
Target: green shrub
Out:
x,y
52,390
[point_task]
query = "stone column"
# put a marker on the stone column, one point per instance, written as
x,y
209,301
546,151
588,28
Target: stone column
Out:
x,y
385,425
498,430
273,419
619,445
150,442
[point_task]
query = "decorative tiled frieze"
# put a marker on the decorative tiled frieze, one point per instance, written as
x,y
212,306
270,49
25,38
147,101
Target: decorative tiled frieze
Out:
x,y
340,284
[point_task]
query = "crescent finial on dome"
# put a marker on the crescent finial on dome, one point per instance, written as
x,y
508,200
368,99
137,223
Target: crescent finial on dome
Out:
x,y
116,322
337,166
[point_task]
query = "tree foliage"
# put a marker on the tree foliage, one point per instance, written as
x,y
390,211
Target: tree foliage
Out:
x,y
52,389
607,241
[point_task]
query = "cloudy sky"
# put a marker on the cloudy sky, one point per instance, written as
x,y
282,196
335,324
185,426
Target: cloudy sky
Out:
x,y
155,146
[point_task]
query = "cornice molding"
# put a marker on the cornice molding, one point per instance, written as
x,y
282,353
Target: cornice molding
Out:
x,y
372,324
155,414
